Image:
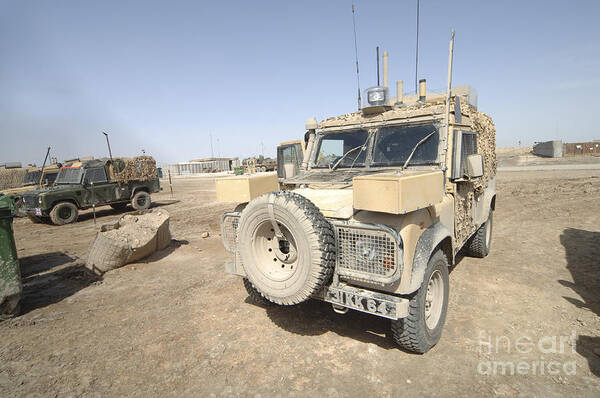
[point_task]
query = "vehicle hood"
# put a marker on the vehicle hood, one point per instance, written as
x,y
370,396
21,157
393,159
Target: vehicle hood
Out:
x,y
55,188
334,203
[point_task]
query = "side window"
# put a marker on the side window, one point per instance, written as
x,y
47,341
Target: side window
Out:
x,y
465,144
95,175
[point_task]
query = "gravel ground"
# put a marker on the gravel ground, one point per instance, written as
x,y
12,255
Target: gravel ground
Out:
x,y
176,324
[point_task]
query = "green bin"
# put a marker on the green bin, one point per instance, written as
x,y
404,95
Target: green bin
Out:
x,y
10,273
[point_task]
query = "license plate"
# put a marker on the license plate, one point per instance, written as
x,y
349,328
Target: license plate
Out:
x,y
362,302
38,211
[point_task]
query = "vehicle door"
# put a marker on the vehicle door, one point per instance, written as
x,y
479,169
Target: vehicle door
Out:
x,y
98,189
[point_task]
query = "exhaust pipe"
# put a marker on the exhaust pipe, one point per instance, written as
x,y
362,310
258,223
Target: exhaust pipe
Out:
x,y
399,92
385,68
422,90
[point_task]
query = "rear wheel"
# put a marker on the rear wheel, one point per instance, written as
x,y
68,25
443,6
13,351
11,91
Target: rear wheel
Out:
x,y
422,328
64,213
141,200
481,242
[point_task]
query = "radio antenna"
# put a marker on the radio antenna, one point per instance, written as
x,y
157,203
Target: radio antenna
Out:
x,y
417,54
377,66
356,56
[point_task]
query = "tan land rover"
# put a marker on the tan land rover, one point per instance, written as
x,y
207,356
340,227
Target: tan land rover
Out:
x,y
378,209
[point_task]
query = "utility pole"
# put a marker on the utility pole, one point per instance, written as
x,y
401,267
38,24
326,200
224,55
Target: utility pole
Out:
x,y
212,153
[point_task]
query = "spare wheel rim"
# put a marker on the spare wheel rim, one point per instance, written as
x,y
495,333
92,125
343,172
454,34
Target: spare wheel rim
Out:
x,y
275,258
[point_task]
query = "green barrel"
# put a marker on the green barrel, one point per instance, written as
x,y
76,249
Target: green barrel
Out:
x,y
239,170
10,273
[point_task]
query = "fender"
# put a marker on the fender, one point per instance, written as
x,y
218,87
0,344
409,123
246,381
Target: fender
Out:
x,y
427,243
138,188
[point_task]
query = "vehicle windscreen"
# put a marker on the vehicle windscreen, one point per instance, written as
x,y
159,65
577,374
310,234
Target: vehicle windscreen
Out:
x,y
33,177
69,175
393,145
333,146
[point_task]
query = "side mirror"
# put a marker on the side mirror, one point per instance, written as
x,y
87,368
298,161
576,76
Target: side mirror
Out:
x,y
474,166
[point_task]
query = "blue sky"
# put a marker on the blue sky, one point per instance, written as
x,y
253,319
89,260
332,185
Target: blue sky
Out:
x,y
163,75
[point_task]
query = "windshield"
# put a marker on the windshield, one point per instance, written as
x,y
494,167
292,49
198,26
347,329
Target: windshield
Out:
x,y
69,175
393,145
333,146
33,177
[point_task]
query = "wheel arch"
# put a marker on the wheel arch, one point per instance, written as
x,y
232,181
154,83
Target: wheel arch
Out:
x,y
138,189
434,237
71,200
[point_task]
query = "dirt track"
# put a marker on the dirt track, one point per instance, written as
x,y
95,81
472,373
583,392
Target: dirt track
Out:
x,y
177,324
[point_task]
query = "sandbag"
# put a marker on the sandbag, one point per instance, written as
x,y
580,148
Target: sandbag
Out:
x,y
136,235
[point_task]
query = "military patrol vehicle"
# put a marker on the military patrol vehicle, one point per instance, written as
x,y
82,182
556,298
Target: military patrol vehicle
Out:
x,y
80,185
383,202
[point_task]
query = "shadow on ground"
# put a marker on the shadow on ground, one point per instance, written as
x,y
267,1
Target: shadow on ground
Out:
x,y
35,264
583,262
313,318
43,289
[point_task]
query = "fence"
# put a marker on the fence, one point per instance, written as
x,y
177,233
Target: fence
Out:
x,y
582,148
209,166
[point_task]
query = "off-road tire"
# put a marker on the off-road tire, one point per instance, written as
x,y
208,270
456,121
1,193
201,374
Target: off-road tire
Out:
x,y
412,333
480,243
64,213
141,200
119,206
254,295
309,239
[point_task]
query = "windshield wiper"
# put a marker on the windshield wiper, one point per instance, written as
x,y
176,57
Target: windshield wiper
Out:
x,y
415,148
363,146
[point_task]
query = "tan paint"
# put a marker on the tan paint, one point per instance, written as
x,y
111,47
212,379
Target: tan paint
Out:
x,y
399,91
410,226
398,193
242,189
334,203
385,68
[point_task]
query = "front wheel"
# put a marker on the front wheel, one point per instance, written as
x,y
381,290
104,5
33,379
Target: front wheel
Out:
x,y
64,213
141,200
422,328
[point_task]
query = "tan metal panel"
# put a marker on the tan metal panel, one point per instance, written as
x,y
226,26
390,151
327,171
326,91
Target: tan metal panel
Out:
x,y
241,189
398,193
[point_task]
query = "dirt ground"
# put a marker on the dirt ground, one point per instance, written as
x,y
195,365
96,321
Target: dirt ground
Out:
x,y
176,324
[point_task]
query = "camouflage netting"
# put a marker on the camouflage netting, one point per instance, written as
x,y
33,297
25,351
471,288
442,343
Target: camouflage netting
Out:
x,y
140,168
12,178
486,144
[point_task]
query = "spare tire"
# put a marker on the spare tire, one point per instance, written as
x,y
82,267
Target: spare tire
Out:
x,y
286,266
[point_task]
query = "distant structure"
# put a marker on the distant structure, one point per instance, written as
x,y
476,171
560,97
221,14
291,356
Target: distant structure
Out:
x,y
591,148
199,166
549,149
556,149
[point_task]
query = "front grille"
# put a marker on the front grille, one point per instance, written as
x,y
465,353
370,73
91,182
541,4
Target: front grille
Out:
x,y
229,226
368,253
30,201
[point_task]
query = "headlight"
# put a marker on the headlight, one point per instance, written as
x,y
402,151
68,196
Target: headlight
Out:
x,y
366,249
377,95
40,200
